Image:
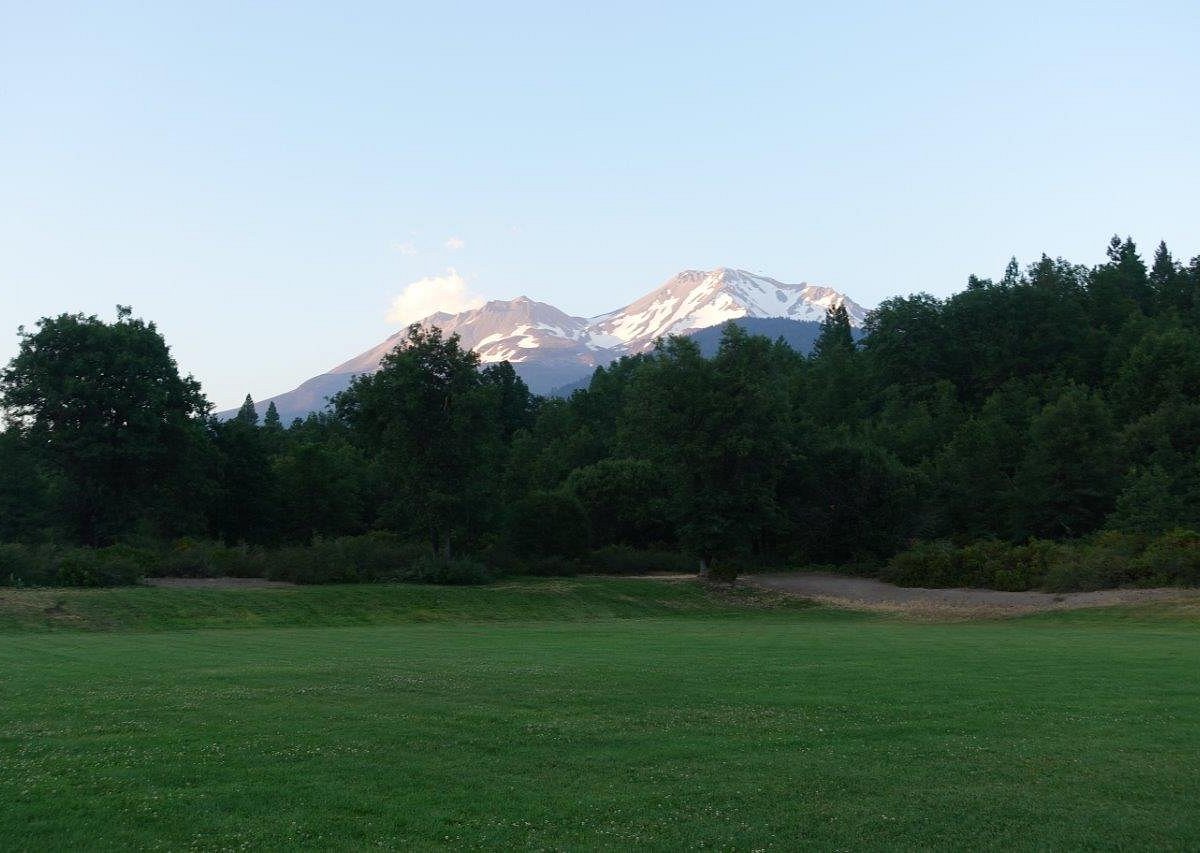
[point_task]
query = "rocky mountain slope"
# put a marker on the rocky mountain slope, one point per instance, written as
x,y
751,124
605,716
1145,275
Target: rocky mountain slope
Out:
x,y
551,349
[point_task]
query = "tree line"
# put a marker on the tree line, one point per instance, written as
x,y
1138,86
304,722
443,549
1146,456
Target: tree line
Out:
x,y
1057,403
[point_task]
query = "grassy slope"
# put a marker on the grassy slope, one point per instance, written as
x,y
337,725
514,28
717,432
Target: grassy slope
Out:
x,y
718,724
154,609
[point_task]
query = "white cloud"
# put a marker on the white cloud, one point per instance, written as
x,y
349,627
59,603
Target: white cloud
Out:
x,y
456,243
447,293
405,248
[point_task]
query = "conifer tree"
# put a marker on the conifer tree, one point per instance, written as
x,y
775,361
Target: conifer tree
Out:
x,y
1168,283
835,337
247,414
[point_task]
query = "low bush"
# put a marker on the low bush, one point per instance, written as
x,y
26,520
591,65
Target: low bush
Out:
x,y
192,558
721,572
1172,559
116,565
460,571
548,524
623,560
349,559
1106,560
21,565
924,564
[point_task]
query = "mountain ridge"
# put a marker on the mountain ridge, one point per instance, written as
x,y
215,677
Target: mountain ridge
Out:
x,y
551,349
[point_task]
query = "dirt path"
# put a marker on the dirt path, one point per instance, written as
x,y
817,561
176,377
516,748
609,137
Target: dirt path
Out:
x,y
869,594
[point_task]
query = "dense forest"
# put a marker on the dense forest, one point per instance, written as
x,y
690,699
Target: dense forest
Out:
x,y
1042,429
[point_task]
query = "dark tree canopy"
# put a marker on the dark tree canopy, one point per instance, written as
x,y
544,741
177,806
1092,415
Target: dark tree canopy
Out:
x,y
1056,402
110,415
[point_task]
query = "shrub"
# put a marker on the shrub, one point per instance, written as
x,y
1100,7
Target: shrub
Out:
x,y
460,571
117,565
21,565
548,524
1105,560
348,559
1024,566
191,558
722,572
1170,559
988,563
623,560
924,564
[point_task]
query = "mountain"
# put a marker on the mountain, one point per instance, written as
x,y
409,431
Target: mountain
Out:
x,y
695,299
800,335
551,349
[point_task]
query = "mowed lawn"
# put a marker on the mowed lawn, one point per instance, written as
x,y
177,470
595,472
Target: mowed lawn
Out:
x,y
588,714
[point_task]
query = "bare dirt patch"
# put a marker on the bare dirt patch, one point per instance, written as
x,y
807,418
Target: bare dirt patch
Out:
x,y
870,594
215,583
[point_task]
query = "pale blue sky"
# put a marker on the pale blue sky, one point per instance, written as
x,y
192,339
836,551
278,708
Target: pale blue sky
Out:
x,y
263,179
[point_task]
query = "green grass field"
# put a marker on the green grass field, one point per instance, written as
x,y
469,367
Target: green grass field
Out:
x,y
586,714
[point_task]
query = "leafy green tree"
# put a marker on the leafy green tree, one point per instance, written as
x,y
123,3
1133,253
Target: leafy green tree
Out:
x,y
973,477
321,490
1068,478
600,404
717,430
560,440
106,407
246,508
848,500
548,524
1148,503
1032,324
512,401
626,501
1163,365
435,425
906,340
23,489
914,424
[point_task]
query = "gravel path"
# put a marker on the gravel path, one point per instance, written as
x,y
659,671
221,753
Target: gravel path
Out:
x,y
877,595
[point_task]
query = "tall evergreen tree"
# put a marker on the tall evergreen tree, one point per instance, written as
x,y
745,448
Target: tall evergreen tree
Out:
x,y
836,336
1121,287
247,414
271,420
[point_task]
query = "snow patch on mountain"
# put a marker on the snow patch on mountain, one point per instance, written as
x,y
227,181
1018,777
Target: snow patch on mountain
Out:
x,y
698,299
550,348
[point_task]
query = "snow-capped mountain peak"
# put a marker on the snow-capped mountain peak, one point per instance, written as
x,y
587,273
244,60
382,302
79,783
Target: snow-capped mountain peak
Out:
x,y
550,348
698,299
